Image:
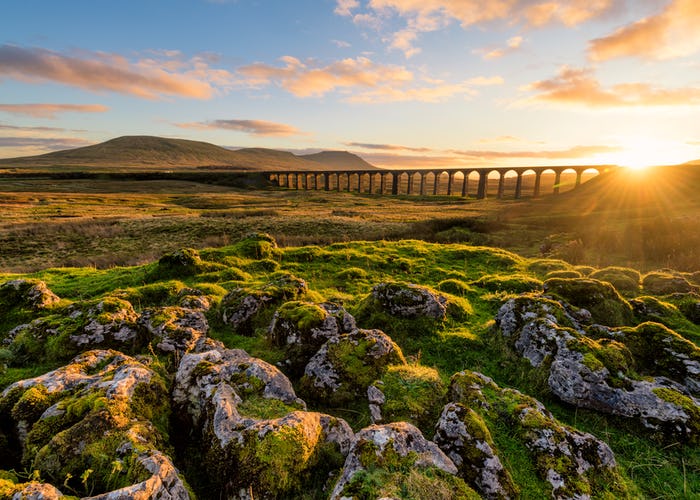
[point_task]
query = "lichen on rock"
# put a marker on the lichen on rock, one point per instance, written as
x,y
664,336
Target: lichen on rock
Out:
x,y
387,459
104,417
567,459
347,364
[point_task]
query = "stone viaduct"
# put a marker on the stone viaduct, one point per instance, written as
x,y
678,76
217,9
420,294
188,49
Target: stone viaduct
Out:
x,y
428,181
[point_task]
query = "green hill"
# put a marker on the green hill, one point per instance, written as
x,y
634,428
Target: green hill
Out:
x,y
157,153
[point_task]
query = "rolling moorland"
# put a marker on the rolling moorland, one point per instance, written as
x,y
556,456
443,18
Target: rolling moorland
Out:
x,y
271,343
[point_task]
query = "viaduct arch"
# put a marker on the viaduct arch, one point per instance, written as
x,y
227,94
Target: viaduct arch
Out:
x,y
477,182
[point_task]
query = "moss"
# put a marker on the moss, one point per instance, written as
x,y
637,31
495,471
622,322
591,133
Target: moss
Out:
x,y
663,283
600,298
414,394
658,350
262,266
33,402
541,267
564,273
514,283
257,246
688,405
624,279
261,408
304,315
455,287
352,273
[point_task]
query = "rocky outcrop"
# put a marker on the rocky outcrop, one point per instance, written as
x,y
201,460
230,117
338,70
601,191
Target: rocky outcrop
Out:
x,y
255,440
565,458
463,435
301,328
409,393
109,322
598,368
95,424
347,364
409,301
600,298
240,307
396,448
174,329
26,294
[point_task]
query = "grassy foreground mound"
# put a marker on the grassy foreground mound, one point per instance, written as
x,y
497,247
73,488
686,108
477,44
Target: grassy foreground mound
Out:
x,y
437,358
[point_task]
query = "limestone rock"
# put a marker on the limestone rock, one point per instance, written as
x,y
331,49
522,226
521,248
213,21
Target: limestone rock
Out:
x,y
464,437
410,301
200,375
597,369
36,491
240,307
255,440
98,413
395,447
600,298
566,458
26,293
108,322
174,329
347,364
301,328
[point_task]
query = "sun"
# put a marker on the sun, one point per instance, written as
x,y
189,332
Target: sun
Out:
x,y
643,152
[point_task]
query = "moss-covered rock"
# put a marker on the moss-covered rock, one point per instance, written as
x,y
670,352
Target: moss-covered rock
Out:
x,y
512,283
253,438
395,460
601,372
573,463
464,437
301,328
663,283
257,246
657,350
174,329
408,309
96,425
244,309
26,294
605,304
410,393
624,279
346,365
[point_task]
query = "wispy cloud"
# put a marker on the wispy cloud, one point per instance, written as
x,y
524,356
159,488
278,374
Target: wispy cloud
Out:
x,y
46,110
149,78
579,87
18,129
389,155
387,147
42,143
307,79
575,152
253,127
341,44
422,16
358,80
512,45
671,33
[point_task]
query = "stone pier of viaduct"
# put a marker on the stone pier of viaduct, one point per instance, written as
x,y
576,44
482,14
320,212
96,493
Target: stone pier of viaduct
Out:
x,y
473,182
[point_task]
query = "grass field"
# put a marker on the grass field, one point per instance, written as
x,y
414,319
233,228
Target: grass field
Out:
x,y
102,223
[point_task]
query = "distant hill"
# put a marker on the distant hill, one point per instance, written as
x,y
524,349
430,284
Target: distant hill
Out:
x,y
157,153
339,160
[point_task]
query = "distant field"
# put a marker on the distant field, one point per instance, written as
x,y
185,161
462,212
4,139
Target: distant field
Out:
x,y
102,223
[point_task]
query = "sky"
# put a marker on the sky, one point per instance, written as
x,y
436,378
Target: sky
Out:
x,y
402,83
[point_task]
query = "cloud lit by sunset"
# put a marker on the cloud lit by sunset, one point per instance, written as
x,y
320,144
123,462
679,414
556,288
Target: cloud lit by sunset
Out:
x,y
400,82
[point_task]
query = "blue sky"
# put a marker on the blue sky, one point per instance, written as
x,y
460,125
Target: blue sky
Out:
x,y
400,82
